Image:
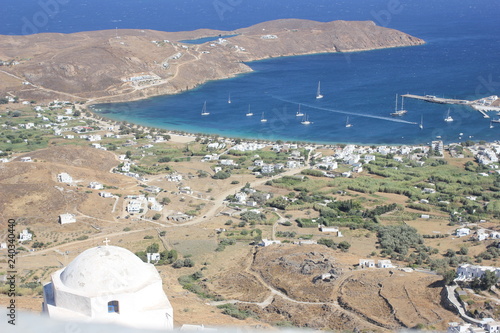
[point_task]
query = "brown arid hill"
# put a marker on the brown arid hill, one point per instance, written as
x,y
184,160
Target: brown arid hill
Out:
x,y
97,66
345,299
31,190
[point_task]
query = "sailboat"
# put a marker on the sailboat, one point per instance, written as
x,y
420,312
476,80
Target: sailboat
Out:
x,y
347,124
491,124
448,117
299,114
318,93
421,125
249,113
229,99
400,112
305,121
204,111
262,119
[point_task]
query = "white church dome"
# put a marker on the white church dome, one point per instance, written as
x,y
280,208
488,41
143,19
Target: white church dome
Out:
x,y
107,269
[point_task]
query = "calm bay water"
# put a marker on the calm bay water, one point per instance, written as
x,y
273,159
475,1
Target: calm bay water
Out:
x,y
460,60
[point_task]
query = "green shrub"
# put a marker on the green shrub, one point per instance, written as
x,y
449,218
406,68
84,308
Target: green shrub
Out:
x,y
233,311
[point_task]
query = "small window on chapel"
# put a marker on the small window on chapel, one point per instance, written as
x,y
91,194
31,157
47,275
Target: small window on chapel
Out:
x,y
113,307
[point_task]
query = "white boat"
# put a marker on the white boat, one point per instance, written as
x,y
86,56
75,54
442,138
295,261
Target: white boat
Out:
x,y
318,93
491,124
249,113
448,117
229,99
421,125
305,121
262,119
299,114
400,112
204,111
347,124
496,121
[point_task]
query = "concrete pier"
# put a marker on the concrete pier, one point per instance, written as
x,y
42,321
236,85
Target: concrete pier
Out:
x,y
439,100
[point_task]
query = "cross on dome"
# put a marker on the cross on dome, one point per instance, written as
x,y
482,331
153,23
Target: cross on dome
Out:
x,y
106,241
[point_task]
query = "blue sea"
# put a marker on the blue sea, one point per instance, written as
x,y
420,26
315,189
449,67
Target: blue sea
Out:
x,y
461,59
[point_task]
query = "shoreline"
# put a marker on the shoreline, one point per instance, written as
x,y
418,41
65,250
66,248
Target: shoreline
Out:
x,y
187,136
138,64
110,99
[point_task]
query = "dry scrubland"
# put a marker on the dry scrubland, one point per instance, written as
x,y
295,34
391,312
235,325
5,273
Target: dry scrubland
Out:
x,y
278,285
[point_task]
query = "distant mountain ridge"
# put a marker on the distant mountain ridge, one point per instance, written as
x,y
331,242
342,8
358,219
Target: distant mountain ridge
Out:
x,y
124,65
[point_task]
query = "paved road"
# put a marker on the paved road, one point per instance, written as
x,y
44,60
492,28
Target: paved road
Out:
x,y
450,290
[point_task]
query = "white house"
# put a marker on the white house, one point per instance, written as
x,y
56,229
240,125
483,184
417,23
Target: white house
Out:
x,y
26,159
336,230
109,284
227,162
292,164
468,272
155,205
462,232
241,197
153,189
357,169
67,218
153,257
105,194
64,178
96,186
267,168
134,206
369,158
267,242
385,264
482,235
346,174
459,328
25,236
367,263
174,177
95,137
492,327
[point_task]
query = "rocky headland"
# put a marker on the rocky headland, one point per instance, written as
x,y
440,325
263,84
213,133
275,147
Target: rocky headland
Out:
x,y
125,65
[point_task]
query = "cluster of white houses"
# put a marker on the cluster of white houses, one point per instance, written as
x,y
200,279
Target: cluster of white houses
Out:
x,y
487,326
370,263
487,154
468,272
480,234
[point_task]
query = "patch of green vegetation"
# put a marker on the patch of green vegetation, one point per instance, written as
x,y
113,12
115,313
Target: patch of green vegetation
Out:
x,y
223,243
233,311
194,284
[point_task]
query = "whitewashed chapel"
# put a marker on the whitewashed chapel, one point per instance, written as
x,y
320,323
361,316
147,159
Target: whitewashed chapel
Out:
x,y
109,284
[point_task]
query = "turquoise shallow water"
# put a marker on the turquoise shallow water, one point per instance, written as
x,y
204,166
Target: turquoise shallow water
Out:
x,y
360,85
460,60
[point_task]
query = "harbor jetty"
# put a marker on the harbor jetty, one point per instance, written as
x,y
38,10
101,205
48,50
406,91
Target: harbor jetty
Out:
x,y
482,105
439,100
